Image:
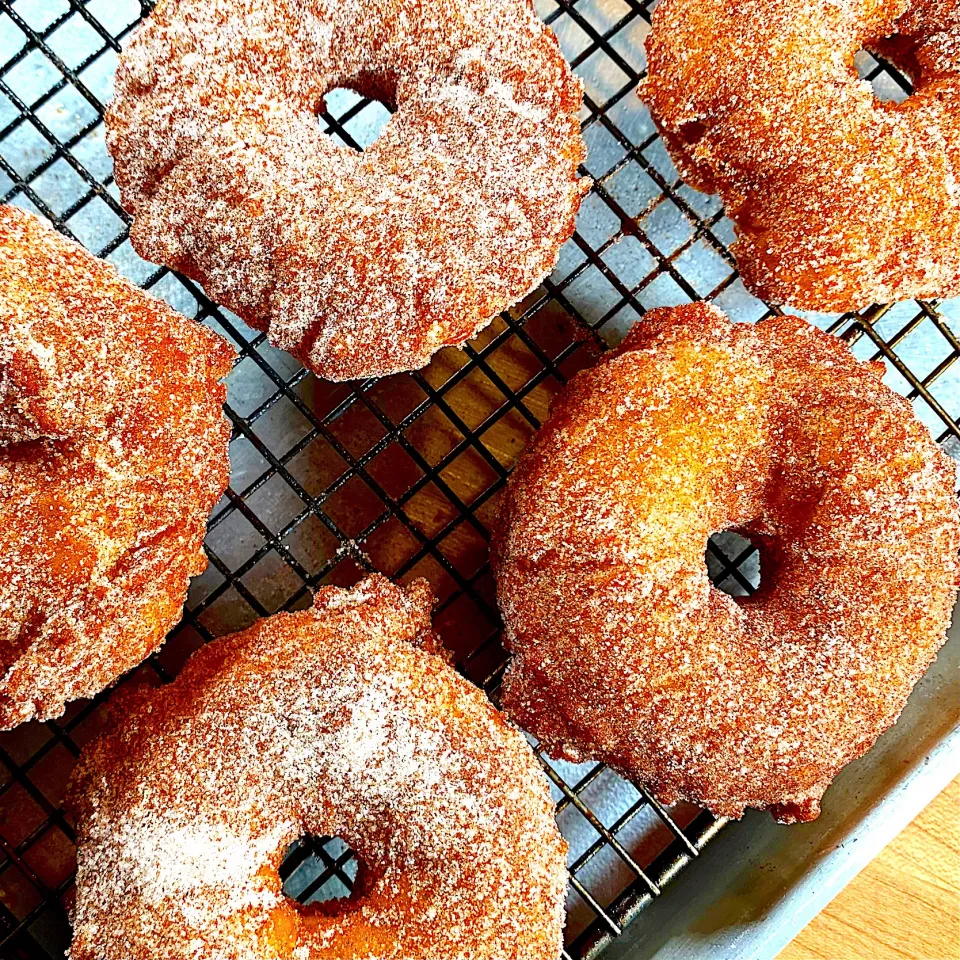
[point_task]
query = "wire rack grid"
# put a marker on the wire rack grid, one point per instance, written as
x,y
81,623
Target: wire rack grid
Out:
x,y
401,474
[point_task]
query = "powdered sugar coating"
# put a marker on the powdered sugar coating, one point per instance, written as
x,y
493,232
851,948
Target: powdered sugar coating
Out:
x,y
624,652
342,721
839,199
113,450
359,264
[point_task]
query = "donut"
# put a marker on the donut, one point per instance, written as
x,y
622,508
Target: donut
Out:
x,y
113,450
622,649
341,720
358,263
839,199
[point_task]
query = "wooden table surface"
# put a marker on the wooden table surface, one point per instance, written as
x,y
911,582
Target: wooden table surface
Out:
x,y
906,903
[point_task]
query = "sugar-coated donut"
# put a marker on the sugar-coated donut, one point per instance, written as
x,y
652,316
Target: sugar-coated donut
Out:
x,y
113,451
337,721
359,264
622,649
839,199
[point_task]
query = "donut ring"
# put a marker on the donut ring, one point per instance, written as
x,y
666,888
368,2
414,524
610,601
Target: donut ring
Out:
x,y
113,451
623,650
329,722
359,264
839,200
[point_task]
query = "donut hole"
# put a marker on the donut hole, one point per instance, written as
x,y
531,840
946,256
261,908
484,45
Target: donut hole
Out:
x,y
733,563
354,116
319,870
884,66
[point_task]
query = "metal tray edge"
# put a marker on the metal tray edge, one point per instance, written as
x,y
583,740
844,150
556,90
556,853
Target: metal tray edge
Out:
x,y
760,883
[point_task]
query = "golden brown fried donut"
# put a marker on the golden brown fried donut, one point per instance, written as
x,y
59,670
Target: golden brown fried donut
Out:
x,y
839,199
113,450
359,264
336,721
624,652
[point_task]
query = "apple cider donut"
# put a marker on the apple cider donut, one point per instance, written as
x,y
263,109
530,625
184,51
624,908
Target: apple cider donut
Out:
x,y
622,649
359,264
839,199
337,721
113,451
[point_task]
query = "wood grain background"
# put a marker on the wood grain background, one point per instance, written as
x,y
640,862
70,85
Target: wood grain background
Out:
x,y
905,904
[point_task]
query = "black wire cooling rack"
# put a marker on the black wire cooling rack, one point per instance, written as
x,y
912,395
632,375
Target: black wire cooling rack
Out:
x,y
401,474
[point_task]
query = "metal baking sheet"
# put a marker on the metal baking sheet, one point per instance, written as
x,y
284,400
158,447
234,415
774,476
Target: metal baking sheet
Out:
x,y
758,884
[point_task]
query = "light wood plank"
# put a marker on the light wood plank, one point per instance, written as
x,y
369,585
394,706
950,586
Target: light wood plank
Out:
x,y
905,904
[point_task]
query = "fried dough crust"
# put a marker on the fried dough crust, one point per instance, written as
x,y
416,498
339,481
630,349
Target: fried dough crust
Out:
x,y
336,721
358,263
624,652
113,451
839,199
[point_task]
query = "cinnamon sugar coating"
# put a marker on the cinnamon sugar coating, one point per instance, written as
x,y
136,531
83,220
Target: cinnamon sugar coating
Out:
x,y
839,199
340,720
622,649
113,450
359,264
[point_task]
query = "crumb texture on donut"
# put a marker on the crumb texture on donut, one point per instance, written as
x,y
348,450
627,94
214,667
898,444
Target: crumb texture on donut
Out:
x,y
113,450
336,721
839,199
622,649
358,263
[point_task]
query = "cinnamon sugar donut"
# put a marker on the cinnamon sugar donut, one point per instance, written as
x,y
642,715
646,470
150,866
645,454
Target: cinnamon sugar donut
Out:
x,y
839,199
340,720
359,264
113,450
624,652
